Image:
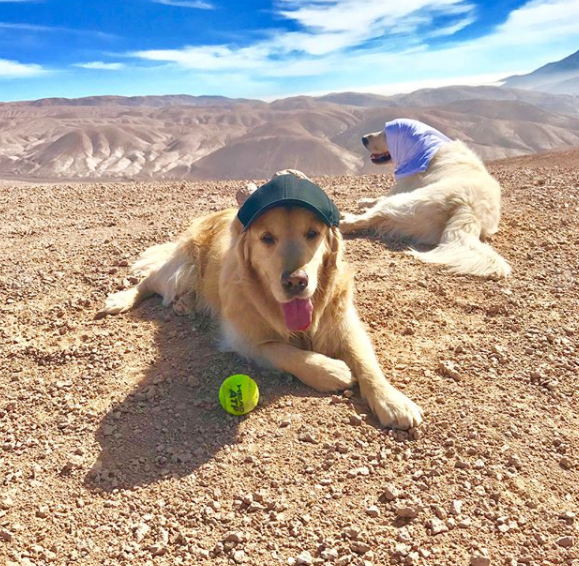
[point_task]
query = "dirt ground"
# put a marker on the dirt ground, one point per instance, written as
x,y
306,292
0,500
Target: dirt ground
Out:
x,y
114,450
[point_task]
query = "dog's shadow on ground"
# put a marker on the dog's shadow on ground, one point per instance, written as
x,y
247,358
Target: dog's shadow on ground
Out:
x,y
172,423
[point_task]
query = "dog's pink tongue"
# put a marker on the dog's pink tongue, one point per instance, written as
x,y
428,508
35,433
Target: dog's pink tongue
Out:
x,y
298,314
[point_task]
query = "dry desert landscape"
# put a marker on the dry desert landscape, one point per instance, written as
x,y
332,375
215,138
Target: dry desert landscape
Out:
x,y
115,451
214,137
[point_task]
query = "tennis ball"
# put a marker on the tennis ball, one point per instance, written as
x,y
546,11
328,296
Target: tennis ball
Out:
x,y
239,394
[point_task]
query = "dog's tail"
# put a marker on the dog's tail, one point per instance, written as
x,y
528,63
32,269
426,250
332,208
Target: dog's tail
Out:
x,y
461,250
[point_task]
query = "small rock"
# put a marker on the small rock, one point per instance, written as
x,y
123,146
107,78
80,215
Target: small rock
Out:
x,y
568,516
305,559
255,506
464,523
450,369
404,536
362,471
233,536
43,511
456,507
437,526
355,420
406,512
329,554
307,437
141,531
352,532
240,557
360,547
285,422
480,559
6,535
566,463
157,549
565,542
372,511
514,462
389,493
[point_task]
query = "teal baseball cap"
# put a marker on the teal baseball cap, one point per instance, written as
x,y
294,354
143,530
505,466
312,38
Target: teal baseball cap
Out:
x,y
289,190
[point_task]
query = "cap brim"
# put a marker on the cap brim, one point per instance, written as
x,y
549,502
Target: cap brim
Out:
x,y
292,202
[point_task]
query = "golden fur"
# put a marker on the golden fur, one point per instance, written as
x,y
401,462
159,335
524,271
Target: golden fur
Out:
x,y
236,275
452,205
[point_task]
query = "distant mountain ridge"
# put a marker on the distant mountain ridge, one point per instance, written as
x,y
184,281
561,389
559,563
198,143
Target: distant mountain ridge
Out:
x,y
214,137
558,77
156,101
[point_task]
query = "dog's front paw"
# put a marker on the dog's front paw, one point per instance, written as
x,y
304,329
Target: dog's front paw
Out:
x,y
394,409
348,223
117,303
333,375
367,202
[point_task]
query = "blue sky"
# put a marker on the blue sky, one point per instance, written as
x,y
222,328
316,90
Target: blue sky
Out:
x,y
267,49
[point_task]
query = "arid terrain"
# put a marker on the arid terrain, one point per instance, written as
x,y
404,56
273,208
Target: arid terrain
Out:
x,y
115,451
195,138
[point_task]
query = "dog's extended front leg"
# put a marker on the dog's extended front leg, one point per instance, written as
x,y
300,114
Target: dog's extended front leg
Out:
x,y
366,203
356,222
313,369
391,406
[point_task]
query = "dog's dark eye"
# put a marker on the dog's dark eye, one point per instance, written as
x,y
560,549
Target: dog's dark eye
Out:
x,y
267,239
312,234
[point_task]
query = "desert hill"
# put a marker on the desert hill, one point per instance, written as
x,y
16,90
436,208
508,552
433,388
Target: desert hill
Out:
x,y
558,77
186,137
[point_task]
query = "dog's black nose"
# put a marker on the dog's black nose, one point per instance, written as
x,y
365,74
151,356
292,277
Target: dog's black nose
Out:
x,y
294,282
365,141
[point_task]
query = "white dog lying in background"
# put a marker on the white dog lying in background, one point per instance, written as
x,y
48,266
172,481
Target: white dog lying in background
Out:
x,y
443,196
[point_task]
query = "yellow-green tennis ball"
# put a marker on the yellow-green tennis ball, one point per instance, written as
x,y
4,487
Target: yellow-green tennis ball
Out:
x,y
239,394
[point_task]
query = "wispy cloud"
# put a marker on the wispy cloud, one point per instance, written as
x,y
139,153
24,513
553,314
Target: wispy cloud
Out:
x,y
196,4
16,70
9,26
353,38
101,66
325,28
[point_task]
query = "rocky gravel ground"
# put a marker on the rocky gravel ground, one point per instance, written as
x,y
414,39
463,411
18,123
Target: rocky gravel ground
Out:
x,y
114,450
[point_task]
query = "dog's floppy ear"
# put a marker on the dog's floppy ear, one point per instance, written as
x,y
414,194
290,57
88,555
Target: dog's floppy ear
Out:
x,y
334,240
241,243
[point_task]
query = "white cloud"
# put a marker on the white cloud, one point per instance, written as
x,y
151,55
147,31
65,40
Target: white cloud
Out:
x,y
209,58
329,26
355,40
453,28
540,20
197,4
15,70
100,65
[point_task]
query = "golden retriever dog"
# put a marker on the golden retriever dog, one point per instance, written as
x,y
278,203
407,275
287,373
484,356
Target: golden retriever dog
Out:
x,y
281,293
443,197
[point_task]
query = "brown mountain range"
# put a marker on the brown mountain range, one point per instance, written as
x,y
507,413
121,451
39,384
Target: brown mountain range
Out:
x,y
209,137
